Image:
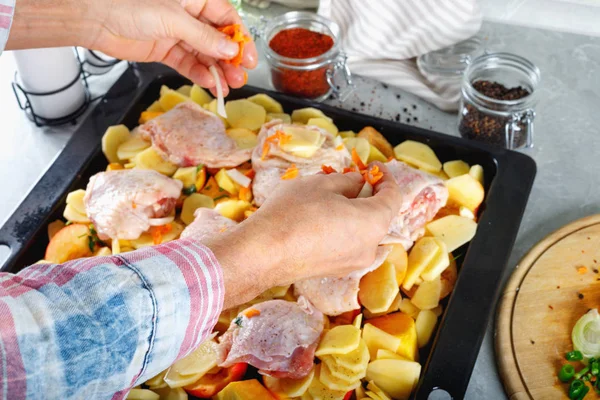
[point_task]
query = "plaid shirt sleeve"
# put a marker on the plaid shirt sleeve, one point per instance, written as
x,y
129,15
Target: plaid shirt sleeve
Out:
x,y
7,8
95,327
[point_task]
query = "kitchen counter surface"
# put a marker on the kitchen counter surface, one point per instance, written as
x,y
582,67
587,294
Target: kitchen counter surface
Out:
x,y
566,149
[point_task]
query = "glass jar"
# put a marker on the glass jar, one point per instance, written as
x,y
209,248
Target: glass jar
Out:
x,y
313,78
503,116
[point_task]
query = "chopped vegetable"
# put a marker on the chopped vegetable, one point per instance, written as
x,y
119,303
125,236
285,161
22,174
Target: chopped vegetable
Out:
x,y
328,169
220,98
581,270
279,137
157,232
238,321
586,335
574,356
235,34
239,178
361,166
148,115
581,373
566,373
189,190
290,173
373,175
251,312
577,390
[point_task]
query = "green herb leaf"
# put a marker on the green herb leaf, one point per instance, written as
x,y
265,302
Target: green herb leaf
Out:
x,y
574,355
189,190
199,167
238,321
91,243
220,197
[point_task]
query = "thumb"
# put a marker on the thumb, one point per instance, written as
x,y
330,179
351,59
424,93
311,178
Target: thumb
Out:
x,y
202,37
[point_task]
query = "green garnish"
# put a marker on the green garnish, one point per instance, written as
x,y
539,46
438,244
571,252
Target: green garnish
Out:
x,y
574,355
91,243
68,223
566,373
581,373
595,367
220,197
238,321
576,390
207,187
189,190
199,167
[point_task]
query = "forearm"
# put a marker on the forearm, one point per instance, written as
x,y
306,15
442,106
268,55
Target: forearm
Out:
x,y
102,325
51,23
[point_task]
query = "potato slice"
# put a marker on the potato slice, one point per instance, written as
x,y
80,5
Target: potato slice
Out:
x,y
132,147
244,138
245,114
376,339
212,107
383,354
347,134
75,199
398,378
158,381
323,124
448,278
185,90
335,383
142,394
399,257
393,307
150,159
317,390
438,311
71,214
303,142
200,96
224,181
409,308
476,172
54,227
268,103
169,98
192,203
425,325
242,390
155,107
375,389
379,288
233,209
402,327
69,243
376,139
186,175
114,137
146,239
376,155
285,118
439,263
422,253
336,370
363,149
342,339
419,155
465,191
427,295
456,168
453,230
286,387
358,321
302,115
355,361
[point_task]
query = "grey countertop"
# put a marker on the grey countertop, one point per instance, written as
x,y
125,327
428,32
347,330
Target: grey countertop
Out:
x,y
567,141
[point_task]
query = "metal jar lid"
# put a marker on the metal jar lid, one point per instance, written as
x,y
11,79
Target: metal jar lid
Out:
x,y
453,60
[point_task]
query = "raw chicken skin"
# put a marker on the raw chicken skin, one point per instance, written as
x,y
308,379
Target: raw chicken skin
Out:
x,y
121,203
277,161
280,341
423,195
189,135
336,295
207,223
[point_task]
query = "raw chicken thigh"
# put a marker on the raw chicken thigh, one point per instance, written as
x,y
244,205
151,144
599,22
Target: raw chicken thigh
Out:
x,y
423,195
278,337
189,135
207,223
336,295
308,148
123,204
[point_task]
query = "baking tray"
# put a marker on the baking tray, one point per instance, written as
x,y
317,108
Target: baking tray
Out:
x,y
448,361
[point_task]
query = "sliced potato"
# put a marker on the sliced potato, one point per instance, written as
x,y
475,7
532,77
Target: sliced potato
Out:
x,y
342,339
438,311
303,142
69,243
302,115
200,96
456,168
422,253
149,115
379,288
286,387
425,325
347,134
317,390
114,137
142,394
233,209
383,354
398,378
409,308
224,181
402,327
192,203
186,175
54,227
75,199
393,307
285,118
157,381
465,191
150,159
185,90
132,147
427,295
375,389
363,149
71,214
323,124
376,155
154,107
212,107
476,172
439,263
244,138
245,114
454,230
419,155
268,103
169,98
399,257
146,239
335,383
448,278
376,139
376,339
353,362
103,252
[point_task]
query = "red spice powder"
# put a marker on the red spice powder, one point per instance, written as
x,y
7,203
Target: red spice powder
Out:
x,y
301,43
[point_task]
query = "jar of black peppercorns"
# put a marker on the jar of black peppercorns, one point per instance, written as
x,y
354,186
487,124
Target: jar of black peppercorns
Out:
x,y
498,95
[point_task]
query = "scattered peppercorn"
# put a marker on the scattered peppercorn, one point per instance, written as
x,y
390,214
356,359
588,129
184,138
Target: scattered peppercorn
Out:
x,y
362,103
550,307
481,126
415,119
595,270
407,119
397,117
398,96
414,107
532,342
405,109
580,295
384,85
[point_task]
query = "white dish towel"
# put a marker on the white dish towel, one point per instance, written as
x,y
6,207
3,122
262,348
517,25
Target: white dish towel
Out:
x,y
382,38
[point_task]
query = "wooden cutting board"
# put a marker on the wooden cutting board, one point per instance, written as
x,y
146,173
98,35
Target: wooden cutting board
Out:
x,y
543,299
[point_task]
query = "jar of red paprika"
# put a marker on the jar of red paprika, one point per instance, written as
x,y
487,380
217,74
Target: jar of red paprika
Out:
x,y
303,51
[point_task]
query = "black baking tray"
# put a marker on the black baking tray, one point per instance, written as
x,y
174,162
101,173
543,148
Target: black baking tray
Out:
x,y
449,360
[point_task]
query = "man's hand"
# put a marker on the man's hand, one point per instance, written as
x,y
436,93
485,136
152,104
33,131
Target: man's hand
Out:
x,y
309,227
178,33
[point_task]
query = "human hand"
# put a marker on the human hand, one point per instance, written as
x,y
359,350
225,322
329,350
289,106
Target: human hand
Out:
x,y
178,33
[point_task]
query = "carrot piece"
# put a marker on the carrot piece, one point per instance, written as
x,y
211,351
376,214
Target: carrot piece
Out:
x,y
290,173
373,175
114,167
361,166
250,173
581,270
251,312
278,137
245,194
157,232
328,169
340,147
236,35
148,115
390,159
349,169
